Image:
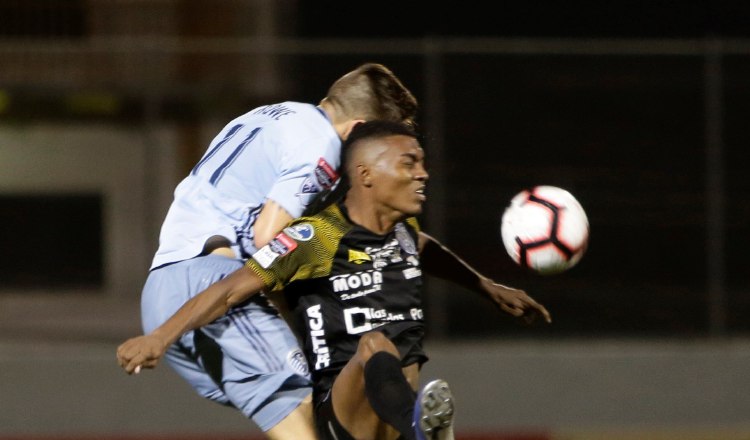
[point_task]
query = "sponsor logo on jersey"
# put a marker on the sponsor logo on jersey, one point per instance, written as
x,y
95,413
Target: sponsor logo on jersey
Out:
x,y
412,272
279,246
325,174
361,319
300,232
317,337
308,187
357,280
358,257
307,191
405,240
381,257
296,360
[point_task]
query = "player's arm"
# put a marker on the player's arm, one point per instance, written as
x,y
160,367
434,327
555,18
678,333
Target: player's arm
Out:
x,y
271,220
439,261
212,303
301,160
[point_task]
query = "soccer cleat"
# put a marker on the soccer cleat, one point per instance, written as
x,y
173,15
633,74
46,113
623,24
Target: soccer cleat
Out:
x,y
433,412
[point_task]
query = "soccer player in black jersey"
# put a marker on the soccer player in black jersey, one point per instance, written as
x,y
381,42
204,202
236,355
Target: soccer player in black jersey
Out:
x,y
352,276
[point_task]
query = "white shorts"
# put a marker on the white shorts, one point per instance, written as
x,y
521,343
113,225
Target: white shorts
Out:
x,y
249,358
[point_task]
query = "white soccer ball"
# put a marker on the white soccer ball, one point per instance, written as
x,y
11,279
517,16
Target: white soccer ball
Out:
x,y
545,229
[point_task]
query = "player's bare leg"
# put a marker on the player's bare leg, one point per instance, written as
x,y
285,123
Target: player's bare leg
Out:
x,y
350,400
298,425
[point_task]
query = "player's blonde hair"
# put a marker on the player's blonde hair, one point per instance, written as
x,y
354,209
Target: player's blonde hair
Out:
x,y
372,91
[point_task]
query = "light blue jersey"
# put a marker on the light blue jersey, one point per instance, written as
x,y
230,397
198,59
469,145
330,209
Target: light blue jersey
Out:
x,y
285,152
249,358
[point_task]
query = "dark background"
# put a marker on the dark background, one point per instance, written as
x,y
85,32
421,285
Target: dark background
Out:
x,y
568,19
626,131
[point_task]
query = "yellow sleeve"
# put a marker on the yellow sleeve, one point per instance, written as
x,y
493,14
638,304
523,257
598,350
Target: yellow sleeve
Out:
x,y
301,251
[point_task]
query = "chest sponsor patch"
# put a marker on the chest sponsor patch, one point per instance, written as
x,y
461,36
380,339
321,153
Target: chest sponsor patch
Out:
x,y
281,245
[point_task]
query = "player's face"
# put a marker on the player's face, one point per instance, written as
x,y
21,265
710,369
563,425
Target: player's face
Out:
x,y
399,175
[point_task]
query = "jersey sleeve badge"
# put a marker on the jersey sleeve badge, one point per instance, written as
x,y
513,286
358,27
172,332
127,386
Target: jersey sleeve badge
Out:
x,y
325,174
300,232
281,245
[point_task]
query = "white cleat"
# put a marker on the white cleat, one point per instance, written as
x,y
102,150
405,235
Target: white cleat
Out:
x,y
433,412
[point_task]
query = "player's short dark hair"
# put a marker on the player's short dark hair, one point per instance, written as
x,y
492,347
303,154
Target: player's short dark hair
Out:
x,y
363,131
371,130
375,130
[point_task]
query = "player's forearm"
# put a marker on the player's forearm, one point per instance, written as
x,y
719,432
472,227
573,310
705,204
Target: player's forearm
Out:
x,y
271,220
210,304
200,310
439,261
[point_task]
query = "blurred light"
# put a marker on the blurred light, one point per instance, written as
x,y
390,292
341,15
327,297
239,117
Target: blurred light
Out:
x,y
93,103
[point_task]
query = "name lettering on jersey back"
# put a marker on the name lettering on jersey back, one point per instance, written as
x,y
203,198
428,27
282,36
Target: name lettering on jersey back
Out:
x,y
275,111
317,337
369,281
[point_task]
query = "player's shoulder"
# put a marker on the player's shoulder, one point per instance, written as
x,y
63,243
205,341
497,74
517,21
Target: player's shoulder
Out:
x,y
306,128
327,224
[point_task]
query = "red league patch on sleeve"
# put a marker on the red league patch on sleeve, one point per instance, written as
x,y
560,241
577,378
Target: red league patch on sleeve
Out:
x,y
325,174
288,243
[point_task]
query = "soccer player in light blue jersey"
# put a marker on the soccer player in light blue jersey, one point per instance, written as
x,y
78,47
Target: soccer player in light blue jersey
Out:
x,y
352,274
260,172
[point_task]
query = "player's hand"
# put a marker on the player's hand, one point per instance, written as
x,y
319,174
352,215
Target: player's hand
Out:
x,y
515,302
140,352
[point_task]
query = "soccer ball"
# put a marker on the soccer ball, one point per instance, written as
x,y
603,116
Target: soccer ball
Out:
x,y
545,229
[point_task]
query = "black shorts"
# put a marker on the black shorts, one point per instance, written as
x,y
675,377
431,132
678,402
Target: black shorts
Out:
x,y
328,425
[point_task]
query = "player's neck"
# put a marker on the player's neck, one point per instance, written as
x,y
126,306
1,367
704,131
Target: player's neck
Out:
x,y
330,112
343,125
378,219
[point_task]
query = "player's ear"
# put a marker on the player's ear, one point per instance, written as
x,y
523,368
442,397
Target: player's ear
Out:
x,y
364,175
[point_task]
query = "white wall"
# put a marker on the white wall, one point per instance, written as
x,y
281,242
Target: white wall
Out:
x,y
134,170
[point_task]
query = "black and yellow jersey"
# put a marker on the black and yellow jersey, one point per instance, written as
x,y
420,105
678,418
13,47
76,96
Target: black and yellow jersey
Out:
x,y
342,280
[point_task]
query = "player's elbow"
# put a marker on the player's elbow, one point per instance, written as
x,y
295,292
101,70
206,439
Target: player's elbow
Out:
x,y
262,238
241,285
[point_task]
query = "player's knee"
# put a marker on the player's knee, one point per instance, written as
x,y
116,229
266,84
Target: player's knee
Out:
x,y
374,342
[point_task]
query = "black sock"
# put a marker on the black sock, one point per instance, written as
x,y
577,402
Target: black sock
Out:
x,y
389,393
